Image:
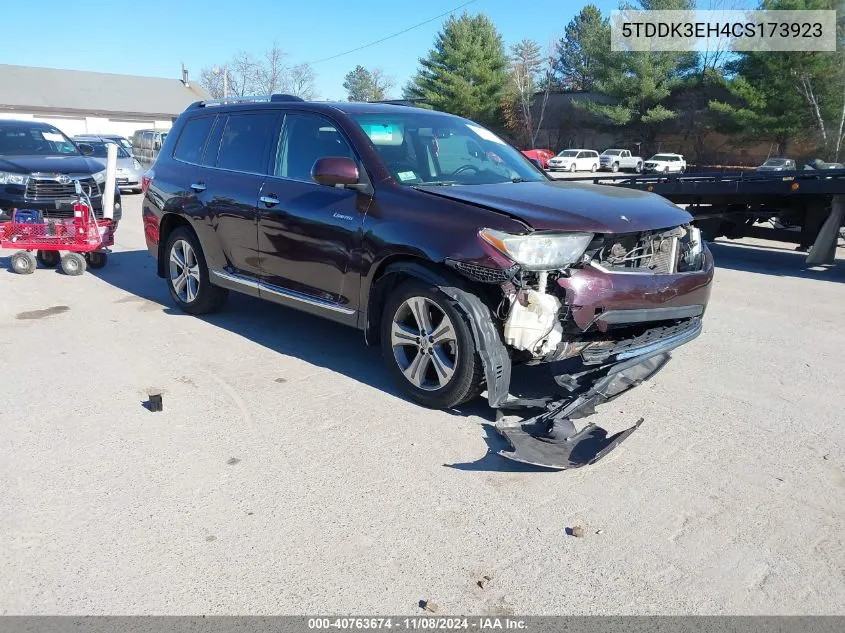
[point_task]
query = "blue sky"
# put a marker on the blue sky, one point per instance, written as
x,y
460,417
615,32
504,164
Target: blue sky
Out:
x,y
153,37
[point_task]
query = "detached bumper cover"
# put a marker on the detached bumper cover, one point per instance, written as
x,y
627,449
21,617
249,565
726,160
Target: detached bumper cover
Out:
x,y
550,439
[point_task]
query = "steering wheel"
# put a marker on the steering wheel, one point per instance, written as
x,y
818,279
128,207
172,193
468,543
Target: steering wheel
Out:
x,y
464,168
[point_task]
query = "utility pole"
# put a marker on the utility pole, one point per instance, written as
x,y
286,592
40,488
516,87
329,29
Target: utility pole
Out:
x,y
217,70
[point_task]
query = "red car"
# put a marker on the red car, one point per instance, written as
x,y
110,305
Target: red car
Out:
x,y
543,155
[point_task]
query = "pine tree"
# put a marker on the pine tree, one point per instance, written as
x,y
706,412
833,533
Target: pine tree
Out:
x,y
466,71
579,51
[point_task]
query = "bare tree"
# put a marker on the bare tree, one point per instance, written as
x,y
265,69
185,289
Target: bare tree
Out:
x,y
301,81
212,82
242,74
267,74
547,81
271,74
382,84
525,65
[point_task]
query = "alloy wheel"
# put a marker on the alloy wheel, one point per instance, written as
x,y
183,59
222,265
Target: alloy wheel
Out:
x,y
184,271
424,343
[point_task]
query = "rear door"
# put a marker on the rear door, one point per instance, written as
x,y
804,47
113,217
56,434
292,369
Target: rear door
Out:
x,y
583,161
229,184
306,237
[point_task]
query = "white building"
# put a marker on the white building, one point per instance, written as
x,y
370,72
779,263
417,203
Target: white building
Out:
x,y
79,102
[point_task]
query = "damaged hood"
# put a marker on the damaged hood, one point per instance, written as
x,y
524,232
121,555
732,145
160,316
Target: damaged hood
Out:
x,y
570,206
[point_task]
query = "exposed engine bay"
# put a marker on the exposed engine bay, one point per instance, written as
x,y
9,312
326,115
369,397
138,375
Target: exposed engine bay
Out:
x,y
619,310
536,316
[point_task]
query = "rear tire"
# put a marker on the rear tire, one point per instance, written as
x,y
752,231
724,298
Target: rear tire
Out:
x,y
434,362
48,259
96,260
594,168
74,264
24,263
187,275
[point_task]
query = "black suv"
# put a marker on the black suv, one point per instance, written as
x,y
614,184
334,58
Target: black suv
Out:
x,y
38,165
430,234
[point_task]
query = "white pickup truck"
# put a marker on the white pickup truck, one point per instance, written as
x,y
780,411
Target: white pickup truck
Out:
x,y
616,159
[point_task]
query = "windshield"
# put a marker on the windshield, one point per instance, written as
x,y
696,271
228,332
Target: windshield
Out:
x,y
611,152
569,153
439,149
21,140
775,162
101,149
666,158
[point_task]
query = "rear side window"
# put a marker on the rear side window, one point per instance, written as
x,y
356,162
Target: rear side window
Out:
x,y
192,140
245,141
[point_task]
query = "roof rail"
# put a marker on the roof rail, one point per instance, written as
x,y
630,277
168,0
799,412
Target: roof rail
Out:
x,y
404,102
274,98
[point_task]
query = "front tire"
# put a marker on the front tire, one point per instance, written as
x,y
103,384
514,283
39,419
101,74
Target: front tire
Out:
x,y
187,275
572,168
24,263
428,347
615,168
73,264
639,168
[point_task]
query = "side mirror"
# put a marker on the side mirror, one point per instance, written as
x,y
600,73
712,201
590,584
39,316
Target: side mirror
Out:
x,y
85,148
333,171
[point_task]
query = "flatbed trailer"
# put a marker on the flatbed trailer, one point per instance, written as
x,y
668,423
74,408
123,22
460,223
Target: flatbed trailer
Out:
x,y
734,204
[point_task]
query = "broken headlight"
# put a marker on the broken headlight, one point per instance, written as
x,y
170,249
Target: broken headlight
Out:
x,y
692,251
539,251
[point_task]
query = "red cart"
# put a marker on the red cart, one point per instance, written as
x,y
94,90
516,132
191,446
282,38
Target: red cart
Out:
x,y
84,239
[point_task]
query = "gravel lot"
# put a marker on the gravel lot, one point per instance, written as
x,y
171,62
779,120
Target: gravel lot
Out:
x,y
285,475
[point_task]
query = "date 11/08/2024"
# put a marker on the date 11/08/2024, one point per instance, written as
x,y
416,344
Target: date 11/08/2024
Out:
x,y
418,623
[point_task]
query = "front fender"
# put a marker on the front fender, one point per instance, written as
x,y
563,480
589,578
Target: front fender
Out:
x,y
491,349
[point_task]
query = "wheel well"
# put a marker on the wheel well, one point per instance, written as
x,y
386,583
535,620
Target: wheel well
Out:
x,y
389,274
168,224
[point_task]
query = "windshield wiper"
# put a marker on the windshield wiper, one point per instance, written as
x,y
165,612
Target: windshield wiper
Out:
x,y
435,183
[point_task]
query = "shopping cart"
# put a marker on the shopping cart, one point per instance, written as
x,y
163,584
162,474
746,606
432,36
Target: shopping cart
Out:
x,y
84,239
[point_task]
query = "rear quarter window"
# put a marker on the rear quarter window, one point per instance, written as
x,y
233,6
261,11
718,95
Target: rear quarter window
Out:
x,y
191,143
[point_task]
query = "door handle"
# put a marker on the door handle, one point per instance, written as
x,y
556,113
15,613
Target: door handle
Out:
x,y
269,201
198,186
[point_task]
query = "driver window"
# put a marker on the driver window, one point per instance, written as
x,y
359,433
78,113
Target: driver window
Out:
x,y
304,139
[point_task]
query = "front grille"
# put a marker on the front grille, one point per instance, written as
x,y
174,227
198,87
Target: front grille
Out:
x,y
48,189
67,212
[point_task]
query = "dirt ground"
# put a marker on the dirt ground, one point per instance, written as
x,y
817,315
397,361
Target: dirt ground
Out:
x,y
286,474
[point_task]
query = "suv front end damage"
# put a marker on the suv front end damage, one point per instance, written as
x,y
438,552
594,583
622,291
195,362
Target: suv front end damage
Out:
x,y
613,315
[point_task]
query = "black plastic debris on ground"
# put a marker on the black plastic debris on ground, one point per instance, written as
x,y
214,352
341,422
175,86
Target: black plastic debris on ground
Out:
x,y
154,403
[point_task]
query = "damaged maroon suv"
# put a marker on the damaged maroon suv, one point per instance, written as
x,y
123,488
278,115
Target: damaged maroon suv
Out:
x,y
442,243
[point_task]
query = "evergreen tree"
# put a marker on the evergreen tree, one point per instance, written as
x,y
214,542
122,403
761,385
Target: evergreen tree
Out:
x,y
580,50
466,71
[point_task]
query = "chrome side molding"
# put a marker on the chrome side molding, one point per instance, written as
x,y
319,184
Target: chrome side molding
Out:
x,y
279,292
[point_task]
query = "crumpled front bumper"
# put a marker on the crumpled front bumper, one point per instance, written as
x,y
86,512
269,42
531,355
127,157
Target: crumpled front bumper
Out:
x,y
551,440
602,298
